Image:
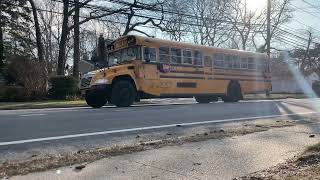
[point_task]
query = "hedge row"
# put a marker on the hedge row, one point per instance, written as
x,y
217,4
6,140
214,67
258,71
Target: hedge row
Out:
x,y
60,87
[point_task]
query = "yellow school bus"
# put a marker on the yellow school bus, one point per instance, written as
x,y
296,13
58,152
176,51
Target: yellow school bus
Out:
x,y
143,67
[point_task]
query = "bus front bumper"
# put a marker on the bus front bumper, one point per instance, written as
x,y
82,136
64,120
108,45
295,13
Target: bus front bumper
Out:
x,y
102,88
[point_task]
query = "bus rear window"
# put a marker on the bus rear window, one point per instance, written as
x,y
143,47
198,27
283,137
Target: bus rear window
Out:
x,y
164,55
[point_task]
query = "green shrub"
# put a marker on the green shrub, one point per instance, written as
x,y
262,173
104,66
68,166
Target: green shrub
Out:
x,y
13,93
63,87
316,87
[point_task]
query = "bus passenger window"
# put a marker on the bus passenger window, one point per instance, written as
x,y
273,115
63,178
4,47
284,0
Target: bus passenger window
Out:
x,y
208,61
228,61
236,62
198,58
187,57
251,64
164,55
244,63
149,54
175,56
218,60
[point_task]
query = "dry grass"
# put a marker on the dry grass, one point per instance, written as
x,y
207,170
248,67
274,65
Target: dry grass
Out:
x,y
304,167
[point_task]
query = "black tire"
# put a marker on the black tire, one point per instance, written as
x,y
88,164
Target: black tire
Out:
x,y
123,94
205,100
95,99
234,93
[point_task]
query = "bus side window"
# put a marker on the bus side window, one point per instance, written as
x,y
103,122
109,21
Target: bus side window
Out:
x,y
251,64
164,55
198,58
236,62
149,54
218,60
244,63
187,57
228,61
208,61
175,56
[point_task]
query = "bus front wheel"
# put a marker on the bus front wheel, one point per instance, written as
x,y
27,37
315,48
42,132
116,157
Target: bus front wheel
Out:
x,y
123,93
234,93
95,99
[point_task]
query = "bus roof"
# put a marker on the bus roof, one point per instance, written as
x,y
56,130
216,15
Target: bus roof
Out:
x,y
149,41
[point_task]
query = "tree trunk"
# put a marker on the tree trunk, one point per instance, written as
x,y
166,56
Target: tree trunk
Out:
x,y
1,43
76,48
63,40
38,33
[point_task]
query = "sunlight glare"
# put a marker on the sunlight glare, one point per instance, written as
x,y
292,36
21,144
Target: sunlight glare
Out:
x,y
256,5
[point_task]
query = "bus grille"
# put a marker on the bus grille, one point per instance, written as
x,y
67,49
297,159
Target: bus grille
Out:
x,y
85,83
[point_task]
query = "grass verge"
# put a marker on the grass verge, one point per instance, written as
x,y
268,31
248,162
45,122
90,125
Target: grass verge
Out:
x,y
41,104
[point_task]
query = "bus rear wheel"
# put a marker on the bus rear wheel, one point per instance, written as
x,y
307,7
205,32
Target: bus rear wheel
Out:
x,y
123,94
234,93
95,99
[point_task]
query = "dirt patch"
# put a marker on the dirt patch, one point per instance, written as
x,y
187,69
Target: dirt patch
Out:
x,y
46,162
306,166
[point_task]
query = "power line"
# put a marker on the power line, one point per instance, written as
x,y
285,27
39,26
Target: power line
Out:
x,y
299,22
312,5
291,40
301,9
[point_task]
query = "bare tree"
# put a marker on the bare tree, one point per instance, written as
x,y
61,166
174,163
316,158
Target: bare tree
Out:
x,y
137,6
281,13
37,29
176,25
66,28
244,22
210,26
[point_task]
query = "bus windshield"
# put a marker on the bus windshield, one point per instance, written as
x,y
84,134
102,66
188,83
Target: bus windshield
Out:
x,y
124,55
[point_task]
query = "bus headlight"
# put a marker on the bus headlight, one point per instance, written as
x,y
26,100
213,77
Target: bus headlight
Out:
x,y
101,81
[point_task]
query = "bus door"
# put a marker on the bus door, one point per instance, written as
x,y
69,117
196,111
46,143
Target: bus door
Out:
x,y
149,68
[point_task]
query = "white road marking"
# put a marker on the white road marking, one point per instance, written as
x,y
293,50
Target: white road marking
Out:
x,y
145,128
28,115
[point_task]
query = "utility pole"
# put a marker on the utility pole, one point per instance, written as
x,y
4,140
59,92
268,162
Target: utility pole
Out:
x,y
268,28
268,38
1,43
76,52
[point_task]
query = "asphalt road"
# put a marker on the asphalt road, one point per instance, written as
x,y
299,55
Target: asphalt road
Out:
x,y
24,126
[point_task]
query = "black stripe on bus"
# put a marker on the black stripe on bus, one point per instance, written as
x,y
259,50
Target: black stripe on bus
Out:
x,y
178,65
187,72
180,77
224,74
186,85
241,79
